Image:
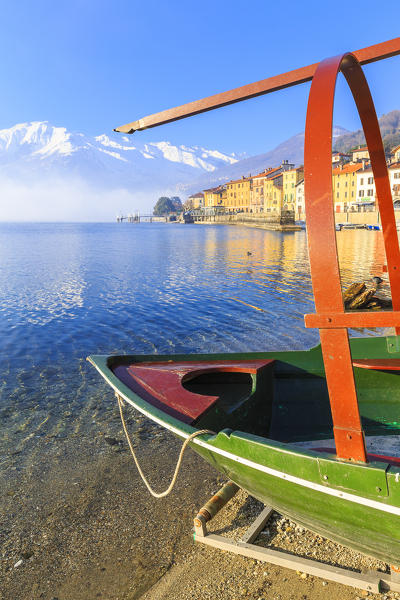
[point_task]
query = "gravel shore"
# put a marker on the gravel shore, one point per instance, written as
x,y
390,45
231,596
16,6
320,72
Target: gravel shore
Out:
x,y
78,524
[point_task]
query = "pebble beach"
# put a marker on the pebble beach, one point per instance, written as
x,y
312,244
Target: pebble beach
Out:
x,y
84,527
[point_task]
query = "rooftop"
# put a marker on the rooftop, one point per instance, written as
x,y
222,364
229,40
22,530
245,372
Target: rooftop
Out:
x,y
347,169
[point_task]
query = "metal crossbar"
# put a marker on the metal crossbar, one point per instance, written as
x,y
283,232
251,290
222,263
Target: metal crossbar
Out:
x,y
372,581
252,90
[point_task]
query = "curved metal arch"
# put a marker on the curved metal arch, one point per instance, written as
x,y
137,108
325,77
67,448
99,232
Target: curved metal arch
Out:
x,y
349,436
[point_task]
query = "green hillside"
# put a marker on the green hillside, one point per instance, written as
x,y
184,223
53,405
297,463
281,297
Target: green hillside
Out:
x,y
390,130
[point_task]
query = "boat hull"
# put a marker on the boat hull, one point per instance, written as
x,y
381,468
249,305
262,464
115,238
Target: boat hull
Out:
x,y
336,512
355,504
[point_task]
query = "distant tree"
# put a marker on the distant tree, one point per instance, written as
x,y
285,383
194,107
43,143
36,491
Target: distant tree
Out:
x,y
188,205
163,206
177,203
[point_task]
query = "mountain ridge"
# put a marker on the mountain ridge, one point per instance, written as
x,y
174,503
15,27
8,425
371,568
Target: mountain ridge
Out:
x,y
48,172
389,125
291,149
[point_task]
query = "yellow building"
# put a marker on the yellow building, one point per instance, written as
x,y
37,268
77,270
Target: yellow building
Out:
x,y
196,200
345,186
273,193
290,179
214,197
238,198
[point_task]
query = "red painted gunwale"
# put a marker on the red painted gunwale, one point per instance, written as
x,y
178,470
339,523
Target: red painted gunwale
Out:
x,y
160,383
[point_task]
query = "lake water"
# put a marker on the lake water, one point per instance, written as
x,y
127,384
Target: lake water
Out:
x,y
69,290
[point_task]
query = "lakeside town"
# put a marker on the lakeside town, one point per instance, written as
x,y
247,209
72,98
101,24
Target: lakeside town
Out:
x,y
280,190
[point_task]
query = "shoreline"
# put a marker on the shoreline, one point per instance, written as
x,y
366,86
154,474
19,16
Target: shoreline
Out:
x,y
264,226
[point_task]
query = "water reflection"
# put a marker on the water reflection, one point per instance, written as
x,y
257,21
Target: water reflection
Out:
x,y
70,290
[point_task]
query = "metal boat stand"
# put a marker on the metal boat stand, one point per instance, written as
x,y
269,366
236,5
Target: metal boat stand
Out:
x,y
372,581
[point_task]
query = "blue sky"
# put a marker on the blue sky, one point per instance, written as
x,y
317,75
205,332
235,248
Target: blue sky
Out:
x,y
92,65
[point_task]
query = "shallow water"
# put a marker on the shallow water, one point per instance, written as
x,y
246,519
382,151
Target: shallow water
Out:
x,y
72,502
69,290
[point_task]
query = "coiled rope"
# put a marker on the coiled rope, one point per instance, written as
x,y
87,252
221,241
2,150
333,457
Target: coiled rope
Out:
x,y
178,464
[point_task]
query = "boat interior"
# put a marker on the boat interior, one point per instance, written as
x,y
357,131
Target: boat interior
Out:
x,y
283,398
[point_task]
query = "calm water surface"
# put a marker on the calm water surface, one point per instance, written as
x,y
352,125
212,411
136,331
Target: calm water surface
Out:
x,y
69,290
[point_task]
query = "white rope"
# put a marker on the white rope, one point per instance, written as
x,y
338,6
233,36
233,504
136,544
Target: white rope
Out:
x,y
178,464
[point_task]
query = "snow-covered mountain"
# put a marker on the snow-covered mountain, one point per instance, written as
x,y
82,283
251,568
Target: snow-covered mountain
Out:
x,y
49,173
44,168
39,143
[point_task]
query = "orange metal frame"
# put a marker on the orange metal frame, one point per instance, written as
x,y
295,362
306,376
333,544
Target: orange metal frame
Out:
x,y
330,316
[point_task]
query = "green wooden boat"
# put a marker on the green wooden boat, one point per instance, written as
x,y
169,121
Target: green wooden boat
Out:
x,y
313,433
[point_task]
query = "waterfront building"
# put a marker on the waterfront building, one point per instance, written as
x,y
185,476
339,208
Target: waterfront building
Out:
x,y
196,201
273,193
258,188
215,197
300,201
366,194
360,153
257,193
394,178
344,180
290,178
238,194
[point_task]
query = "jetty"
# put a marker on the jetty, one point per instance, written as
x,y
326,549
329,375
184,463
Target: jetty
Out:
x,y
136,217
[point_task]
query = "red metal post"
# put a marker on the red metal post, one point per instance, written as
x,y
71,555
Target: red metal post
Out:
x,y
362,96
321,233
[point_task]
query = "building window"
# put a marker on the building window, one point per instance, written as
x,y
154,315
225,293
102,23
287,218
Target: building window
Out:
x,y
345,194
370,180
352,194
370,192
337,195
360,194
397,176
362,181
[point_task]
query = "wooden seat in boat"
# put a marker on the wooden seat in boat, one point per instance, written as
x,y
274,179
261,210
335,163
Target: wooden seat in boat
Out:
x,y
378,364
160,383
